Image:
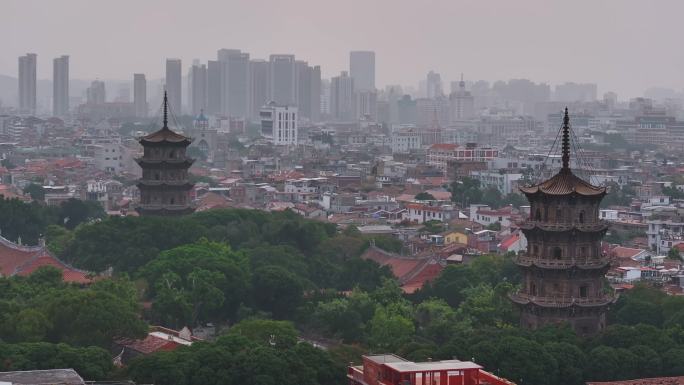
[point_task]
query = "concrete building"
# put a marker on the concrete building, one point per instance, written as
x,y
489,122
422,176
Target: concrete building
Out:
x,y
96,94
198,88
434,85
342,97
213,87
279,124
505,183
574,92
235,82
462,103
282,80
173,84
308,90
140,95
27,83
258,87
362,70
366,104
60,86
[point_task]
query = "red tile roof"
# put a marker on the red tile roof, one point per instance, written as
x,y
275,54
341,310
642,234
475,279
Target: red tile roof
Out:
x,y
24,260
444,146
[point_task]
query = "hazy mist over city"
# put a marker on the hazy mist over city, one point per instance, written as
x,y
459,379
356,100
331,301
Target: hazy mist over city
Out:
x,y
622,45
349,192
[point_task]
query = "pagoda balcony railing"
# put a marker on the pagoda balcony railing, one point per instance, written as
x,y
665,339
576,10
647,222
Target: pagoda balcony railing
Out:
x,y
564,226
164,206
154,182
581,262
562,301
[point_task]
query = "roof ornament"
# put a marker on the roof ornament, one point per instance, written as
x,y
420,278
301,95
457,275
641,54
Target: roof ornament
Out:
x,y
565,146
166,110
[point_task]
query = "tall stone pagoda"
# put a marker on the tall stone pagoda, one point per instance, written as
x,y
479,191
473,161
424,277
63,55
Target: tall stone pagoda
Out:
x,y
164,186
564,267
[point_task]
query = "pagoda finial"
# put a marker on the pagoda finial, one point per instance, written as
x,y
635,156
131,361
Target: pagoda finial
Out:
x,y
565,147
166,111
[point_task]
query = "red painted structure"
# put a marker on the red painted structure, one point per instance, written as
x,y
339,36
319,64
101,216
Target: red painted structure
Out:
x,y
388,369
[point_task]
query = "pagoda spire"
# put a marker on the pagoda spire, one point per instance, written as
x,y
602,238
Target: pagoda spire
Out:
x,y
565,146
166,111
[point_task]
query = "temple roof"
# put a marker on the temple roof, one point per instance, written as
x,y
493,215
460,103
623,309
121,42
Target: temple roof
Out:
x,y
565,182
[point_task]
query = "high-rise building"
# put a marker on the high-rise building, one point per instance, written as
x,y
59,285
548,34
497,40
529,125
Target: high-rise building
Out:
x,y
173,84
342,97
366,104
564,267
282,80
140,95
308,90
60,86
574,92
279,124
96,94
362,70
213,87
258,88
27,83
198,89
434,85
462,103
235,82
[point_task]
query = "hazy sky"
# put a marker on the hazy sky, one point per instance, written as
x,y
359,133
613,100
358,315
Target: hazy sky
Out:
x,y
623,45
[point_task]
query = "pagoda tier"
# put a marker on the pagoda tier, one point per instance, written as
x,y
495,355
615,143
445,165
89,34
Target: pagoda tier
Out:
x,y
564,267
164,185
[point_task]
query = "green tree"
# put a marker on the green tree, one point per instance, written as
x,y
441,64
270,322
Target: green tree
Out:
x,y
674,254
36,191
74,212
389,331
280,334
424,196
571,362
276,290
466,191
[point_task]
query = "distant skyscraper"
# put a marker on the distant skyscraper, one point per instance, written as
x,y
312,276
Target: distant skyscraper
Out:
x,y
258,89
235,82
434,85
462,103
362,69
173,84
308,90
60,86
574,92
198,88
282,79
96,93
140,95
27,83
342,97
213,87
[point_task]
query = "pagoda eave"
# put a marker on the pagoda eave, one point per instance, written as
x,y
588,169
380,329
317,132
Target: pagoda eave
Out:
x,y
556,302
530,226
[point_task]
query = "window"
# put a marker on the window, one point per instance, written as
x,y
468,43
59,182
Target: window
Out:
x,y
559,215
581,216
557,252
583,291
533,288
537,215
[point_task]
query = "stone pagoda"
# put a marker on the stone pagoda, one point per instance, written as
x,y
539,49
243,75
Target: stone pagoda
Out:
x,y
164,186
564,267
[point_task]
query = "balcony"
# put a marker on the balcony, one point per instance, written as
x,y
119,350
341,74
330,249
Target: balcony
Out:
x,y
561,301
564,226
565,263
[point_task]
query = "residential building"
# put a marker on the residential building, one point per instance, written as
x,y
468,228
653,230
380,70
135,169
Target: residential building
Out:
x,y
198,88
259,86
506,183
282,80
434,85
362,70
279,124
462,103
60,86
308,90
140,95
173,85
213,87
342,97
235,82
27,83
96,94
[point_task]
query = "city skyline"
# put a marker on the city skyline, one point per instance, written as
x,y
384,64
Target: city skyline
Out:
x,y
532,41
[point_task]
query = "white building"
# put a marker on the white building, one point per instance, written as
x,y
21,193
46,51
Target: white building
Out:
x,y
406,140
505,183
279,124
108,156
608,215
